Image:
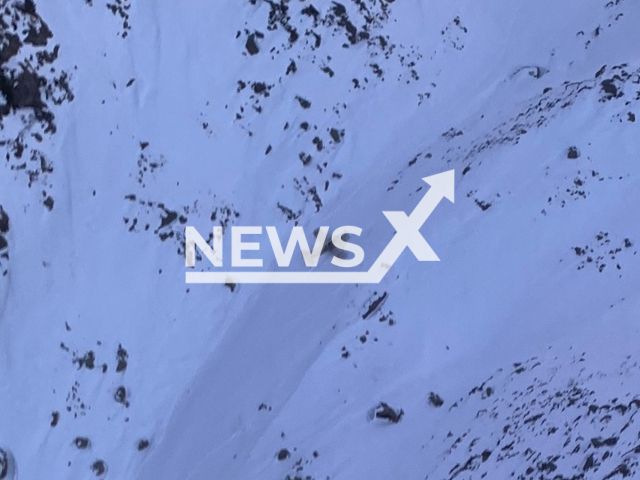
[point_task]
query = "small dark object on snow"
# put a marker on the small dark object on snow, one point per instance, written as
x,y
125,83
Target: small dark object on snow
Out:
x,y
386,412
251,45
573,153
99,468
143,444
283,454
336,135
435,400
304,103
82,443
374,306
121,396
48,202
121,357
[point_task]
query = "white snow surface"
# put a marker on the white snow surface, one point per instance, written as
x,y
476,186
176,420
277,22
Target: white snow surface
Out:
x,y
533,308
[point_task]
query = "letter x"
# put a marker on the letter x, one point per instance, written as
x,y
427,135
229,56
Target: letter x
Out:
x,y
408,235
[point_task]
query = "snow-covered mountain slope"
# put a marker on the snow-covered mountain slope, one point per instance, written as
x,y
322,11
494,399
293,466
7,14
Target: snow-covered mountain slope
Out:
x,y
514,357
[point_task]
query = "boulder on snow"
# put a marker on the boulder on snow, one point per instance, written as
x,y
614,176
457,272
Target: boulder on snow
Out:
x,y
435,400
573,153
385,412
82,443
99,468
283,454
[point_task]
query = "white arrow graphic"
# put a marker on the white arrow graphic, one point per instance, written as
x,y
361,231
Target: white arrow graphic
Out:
x,y
408,228
407,235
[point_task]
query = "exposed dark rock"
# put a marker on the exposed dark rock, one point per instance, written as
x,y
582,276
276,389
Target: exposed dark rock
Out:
x,y
4,221
122,357
606,442
82,443
385,412
435,400
143,444
120,9
589,463
168,219
99,468
336,135
283,454
28,7
38,37
88,361
374,306
311,11
251,45
484,206
10,46
48,202
120,396
304,103
305,158
610,88
22,91
573,153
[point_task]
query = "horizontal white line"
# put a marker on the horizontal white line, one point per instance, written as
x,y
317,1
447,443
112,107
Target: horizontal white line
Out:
x,y
281,277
